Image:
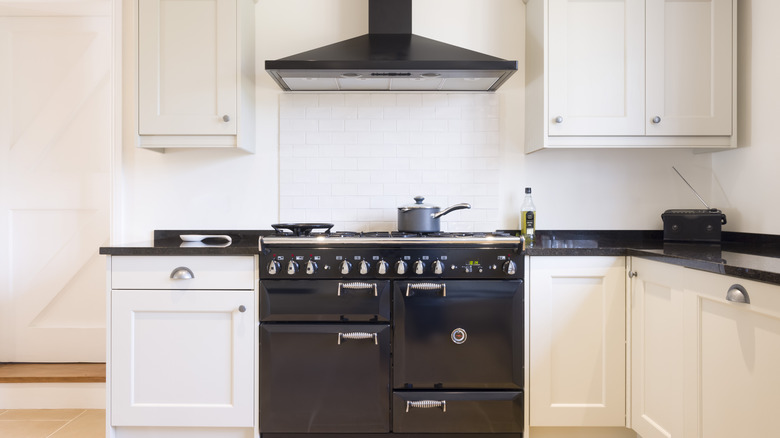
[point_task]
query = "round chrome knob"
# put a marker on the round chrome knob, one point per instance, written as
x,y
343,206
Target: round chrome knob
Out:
x,y
311,267
345,267
363,267
226,118
419,267
656,120
400,267
510,267
559,119
292,267
382,267
242,308
438,267
273,267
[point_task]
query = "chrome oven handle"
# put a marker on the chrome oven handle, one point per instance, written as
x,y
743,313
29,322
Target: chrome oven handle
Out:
x,y
358,335
427,404
357,285
427,286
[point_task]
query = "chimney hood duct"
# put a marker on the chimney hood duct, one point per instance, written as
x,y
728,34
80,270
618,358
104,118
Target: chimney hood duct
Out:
x,y
390,58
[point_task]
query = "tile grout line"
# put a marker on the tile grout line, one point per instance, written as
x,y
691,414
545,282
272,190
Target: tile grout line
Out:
x,y
66,423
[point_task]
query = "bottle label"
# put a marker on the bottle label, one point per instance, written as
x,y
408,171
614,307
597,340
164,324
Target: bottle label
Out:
x,y
529,222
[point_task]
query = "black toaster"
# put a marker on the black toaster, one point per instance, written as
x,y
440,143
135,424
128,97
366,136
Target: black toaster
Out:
x,y
693,225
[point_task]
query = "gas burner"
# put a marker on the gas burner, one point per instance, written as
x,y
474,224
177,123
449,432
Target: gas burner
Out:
x,y
337,234
300,229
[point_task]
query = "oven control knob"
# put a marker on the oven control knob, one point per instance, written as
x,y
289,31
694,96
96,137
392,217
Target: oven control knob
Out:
x,y
382,267
363,267
345,267
311,267
273,267
419,267
400,267
292,267
438,267
510,268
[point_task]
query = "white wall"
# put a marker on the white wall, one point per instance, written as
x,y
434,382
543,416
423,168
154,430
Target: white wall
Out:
x,y
593,189
746,181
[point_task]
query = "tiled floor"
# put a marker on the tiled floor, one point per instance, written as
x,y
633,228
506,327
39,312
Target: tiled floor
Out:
x,y
52,423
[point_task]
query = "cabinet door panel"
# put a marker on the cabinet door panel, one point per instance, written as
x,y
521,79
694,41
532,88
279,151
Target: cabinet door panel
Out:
x,y
187,70
657,349
689,67
577,355
596,65
182,358
733,355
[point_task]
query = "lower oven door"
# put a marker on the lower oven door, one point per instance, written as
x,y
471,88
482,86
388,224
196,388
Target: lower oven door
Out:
x,y
458,412
458,335
324,378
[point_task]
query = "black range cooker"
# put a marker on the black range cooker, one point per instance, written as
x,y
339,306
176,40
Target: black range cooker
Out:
x,y
376,334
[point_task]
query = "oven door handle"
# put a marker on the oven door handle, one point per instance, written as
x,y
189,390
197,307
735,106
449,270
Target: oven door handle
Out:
x,y
427,404
358,285
427,286
358,335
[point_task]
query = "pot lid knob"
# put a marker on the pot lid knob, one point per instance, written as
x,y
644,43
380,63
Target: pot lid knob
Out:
x,y
419,199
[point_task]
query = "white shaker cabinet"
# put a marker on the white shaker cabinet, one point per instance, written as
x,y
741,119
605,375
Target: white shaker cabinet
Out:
x,y
703,363
732,357
630,73
656,349
183,342
196,73
577,341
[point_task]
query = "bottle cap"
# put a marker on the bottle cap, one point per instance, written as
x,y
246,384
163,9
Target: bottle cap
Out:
x,y
528,190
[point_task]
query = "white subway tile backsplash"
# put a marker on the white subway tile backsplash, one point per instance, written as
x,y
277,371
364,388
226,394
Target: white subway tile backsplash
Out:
x,y
331,125
357,125
353,158
370,112
411,99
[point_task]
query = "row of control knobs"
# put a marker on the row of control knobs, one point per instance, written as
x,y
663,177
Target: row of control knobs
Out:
x,y
382,268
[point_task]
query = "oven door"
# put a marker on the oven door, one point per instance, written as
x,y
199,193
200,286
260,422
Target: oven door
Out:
x,y
458,335
324,378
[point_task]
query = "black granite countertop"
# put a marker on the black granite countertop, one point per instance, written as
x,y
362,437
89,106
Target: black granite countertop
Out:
x,y
744,255
750,256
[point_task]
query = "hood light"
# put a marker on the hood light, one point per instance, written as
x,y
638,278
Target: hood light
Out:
x,y
351,75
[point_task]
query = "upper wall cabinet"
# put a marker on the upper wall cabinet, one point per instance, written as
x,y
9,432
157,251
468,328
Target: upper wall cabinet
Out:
x,y
630,73
196,73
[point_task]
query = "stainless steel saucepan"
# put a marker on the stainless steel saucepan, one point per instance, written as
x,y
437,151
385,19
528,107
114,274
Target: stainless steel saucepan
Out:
x,y
423,218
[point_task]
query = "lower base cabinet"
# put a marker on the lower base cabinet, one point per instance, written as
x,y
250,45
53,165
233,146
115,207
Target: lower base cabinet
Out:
x,y
183,341
577,341
704,364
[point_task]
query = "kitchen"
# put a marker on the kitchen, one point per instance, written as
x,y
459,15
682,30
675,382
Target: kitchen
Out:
x,y
574,189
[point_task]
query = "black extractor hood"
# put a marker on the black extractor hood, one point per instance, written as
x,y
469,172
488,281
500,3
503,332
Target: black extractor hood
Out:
x,y
390,58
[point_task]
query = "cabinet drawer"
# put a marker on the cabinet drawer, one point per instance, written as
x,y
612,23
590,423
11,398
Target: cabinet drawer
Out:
x,y
207,272
458,412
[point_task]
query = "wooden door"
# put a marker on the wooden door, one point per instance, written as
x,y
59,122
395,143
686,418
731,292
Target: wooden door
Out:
x,y
577,335
187,67
657,349
56,115
596,67
689,67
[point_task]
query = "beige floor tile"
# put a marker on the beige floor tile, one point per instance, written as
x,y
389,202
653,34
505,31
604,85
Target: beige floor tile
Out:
x,y
29,429
40,414
91,424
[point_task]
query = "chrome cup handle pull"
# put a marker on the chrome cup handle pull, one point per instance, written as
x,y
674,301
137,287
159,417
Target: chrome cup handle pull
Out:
x,y
426,286
738,294
182,273
425,404
357,336
357,285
